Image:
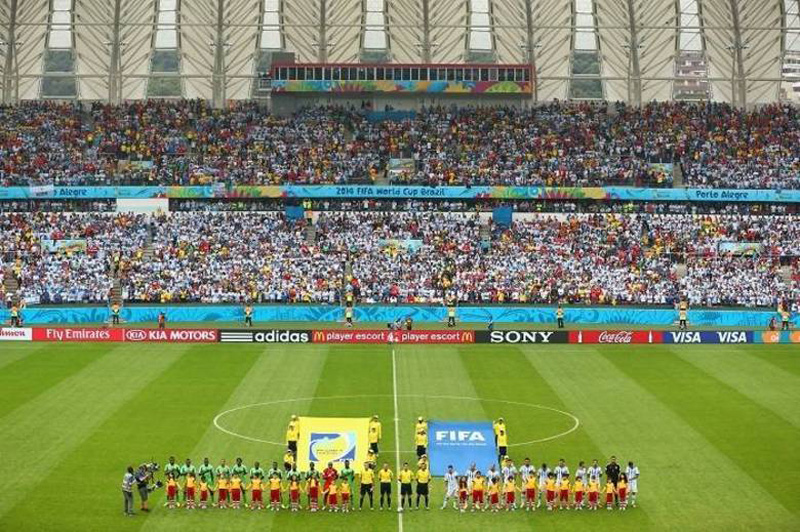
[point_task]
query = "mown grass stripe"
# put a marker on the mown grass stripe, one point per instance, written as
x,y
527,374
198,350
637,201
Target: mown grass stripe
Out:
x,y
40,433
13,351
727,420
520,381
357,370
763,383
785,357
686,480
423,374
164,416
28,376
266,380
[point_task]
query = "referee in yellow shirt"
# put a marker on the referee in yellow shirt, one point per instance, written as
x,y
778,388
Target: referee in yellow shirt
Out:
x,y
367,485
405,477
385,477
423,482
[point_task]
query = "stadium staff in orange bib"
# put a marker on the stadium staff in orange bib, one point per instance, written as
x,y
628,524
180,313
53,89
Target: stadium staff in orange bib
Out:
x,y
115,314
248,315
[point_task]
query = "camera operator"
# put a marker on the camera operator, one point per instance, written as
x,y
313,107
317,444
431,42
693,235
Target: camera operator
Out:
x,y
127,491
143,477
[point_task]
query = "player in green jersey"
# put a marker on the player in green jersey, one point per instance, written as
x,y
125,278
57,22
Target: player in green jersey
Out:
x,y
172,467
222,471
240,470
206,474
256,471
348,475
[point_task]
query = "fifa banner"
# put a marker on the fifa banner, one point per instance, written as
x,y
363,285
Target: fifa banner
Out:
x,y
332,439
460,443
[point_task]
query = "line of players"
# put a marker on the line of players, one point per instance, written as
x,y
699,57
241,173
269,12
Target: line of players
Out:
x,y
497,490
334,490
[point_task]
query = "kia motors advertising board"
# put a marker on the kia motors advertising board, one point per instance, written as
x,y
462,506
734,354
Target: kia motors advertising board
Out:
x,y
16,334
615,337
521,337
393,337
77,334
460,443
171,335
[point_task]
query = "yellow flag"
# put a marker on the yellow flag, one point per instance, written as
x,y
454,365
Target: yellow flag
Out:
x,y
332,439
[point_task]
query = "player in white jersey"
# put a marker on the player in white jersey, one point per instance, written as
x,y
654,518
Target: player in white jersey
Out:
x,y
632,472
470,474
526,470
582,473
543,473
493,475
561,470
509,469
595,472
451,487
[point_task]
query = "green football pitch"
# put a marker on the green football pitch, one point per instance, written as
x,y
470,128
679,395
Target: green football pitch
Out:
x,y
715,430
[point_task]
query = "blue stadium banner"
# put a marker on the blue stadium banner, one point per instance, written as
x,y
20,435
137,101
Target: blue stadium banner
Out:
x,y
708,337
460,443
410,192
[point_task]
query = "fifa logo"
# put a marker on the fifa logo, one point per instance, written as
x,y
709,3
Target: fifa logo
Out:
x,y
460,436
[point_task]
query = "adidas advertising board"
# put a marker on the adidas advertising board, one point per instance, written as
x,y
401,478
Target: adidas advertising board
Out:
x,y
268,336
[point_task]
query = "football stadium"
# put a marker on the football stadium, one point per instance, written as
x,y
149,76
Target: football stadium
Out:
x,y
399,265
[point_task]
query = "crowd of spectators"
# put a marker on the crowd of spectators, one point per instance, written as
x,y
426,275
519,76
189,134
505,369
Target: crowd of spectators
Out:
x,y
557,144
404,257
67,274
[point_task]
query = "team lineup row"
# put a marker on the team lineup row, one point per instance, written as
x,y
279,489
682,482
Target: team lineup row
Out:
x,y
508,489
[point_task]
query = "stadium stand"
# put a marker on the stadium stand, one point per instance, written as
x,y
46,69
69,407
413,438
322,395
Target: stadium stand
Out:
x,y
406,257
557,144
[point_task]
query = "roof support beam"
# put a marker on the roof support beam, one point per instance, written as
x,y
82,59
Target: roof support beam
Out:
x,y
738,81
115,62
530,48
634,69
218,74
11,67
322,44
426,32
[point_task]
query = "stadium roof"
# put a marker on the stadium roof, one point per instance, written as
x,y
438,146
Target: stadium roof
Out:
x,y
631,50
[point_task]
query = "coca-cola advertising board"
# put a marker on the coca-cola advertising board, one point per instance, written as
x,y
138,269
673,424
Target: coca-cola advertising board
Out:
x,y
615,337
